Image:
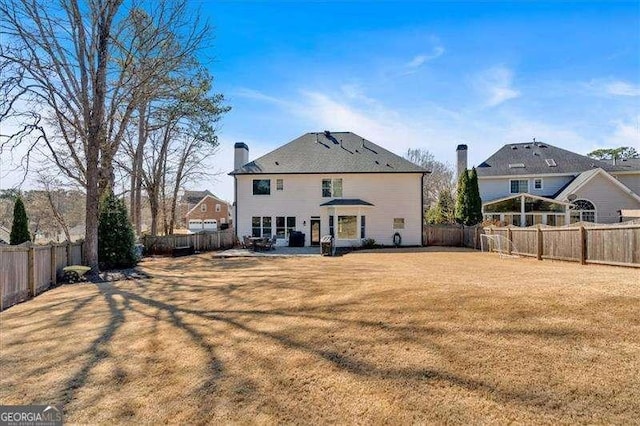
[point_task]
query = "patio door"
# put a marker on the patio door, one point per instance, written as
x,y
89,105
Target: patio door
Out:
x,y
315,232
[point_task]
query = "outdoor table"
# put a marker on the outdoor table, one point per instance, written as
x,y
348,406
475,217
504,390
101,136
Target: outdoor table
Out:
x,y
254,242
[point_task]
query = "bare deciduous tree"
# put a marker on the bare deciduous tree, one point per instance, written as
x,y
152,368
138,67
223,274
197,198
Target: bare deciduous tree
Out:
x,y
440,179
73,74
181,133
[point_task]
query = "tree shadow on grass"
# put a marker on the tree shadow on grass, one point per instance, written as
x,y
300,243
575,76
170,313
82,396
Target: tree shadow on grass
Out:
x,y
176,311
241,319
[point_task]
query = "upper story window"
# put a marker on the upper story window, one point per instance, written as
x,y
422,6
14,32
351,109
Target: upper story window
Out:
x,y
519,185
262,187
332,187
218,207
203,207
537,183
279,184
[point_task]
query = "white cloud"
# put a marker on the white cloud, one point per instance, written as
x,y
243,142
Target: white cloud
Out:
x,y
256,95
419,60
622,88
495,84
609,87
626,133
432,127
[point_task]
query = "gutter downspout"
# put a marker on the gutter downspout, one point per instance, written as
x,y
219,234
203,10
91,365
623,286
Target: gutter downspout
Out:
x,y
422,208
235,202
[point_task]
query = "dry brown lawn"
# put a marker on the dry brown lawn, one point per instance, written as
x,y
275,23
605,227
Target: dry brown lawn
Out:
x,y
382,337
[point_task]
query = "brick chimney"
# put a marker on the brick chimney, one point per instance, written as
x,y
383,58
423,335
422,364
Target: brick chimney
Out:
x,y
240,155
461,152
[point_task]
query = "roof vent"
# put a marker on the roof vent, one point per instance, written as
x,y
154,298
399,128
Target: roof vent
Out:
x,y
541,145
377,162
527,146
536,153
327,133
277,164
514,147
550,162
516,166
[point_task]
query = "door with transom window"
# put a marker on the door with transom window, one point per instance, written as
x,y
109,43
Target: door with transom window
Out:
x,y
315,232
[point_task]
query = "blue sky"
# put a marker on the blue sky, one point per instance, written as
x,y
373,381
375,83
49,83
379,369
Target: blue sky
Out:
x,y
428,75
425,74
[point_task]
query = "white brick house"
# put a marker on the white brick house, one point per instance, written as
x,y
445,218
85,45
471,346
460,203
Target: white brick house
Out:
x,y
328,183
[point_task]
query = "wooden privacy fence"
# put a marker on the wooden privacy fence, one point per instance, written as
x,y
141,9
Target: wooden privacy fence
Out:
x,y
608,245
26,271
452,235
205,241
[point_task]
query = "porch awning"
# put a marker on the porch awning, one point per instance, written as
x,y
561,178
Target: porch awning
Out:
x,y
527,195
345,202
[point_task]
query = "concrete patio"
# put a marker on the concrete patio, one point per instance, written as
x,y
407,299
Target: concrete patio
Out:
x,y
279,251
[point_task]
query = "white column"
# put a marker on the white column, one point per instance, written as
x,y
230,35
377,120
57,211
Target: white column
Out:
x,y
522,218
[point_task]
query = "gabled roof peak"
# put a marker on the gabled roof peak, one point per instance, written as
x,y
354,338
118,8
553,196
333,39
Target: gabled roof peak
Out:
x,y
329,152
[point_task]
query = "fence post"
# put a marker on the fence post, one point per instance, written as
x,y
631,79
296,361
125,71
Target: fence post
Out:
x,y
539,243
509,237
68,253
583,245
54,265
490,244
476,232
31,271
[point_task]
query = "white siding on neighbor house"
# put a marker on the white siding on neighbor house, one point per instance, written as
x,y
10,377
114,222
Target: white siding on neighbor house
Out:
x,y
494,188
631,181
607,197
394,195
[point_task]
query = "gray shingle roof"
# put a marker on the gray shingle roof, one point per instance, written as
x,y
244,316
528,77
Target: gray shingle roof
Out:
x,y
530,159
630,164
334,152
194,197
346,202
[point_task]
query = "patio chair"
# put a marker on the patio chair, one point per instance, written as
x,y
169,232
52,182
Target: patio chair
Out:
x,y
246,242
269,243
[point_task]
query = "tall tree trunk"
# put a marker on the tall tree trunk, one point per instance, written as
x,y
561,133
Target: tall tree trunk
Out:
x,y
96,134
153,204
90,247
142,139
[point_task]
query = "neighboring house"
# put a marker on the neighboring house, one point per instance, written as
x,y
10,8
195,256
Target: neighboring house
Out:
x,y
5,235
531,183
328,183
204,211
